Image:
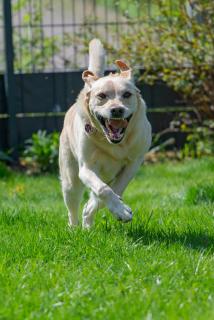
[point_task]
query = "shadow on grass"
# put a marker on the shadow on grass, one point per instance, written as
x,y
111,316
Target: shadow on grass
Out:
x,y
191,239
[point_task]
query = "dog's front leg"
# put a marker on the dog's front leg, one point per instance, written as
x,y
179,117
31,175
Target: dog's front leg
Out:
x,y
125,176
105,194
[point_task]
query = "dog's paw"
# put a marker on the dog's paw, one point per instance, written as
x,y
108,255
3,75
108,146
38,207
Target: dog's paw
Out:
x,y
87,223
124,214
121,211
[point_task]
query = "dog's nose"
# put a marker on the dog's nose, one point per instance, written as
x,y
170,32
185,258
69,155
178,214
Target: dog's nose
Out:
x,y
117,112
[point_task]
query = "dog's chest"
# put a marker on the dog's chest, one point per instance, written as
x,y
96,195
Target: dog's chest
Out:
x,y
108,170
107,166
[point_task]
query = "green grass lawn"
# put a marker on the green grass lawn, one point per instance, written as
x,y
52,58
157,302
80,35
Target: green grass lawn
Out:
x,y
160,266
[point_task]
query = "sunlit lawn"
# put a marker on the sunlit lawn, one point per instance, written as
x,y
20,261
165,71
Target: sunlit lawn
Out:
x,y
160,266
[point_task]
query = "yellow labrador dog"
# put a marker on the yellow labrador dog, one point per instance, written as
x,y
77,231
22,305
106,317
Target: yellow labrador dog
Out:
x,y
104,139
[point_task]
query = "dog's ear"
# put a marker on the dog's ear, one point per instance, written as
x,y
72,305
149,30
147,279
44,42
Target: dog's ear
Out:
x,y
89,77
125,71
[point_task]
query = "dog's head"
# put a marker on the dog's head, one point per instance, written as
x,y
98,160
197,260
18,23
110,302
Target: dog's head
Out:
x,y
112,101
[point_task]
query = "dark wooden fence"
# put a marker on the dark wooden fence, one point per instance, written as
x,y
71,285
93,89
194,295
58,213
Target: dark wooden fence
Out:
x,y
36,95
42,99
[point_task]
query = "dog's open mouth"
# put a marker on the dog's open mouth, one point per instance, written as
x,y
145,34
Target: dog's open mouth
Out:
x,y
114,128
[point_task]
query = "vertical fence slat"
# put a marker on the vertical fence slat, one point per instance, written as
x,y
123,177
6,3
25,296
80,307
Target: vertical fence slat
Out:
x,y
9,76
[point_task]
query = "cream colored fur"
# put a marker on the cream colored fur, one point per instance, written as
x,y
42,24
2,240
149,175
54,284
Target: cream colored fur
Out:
x,y
90,159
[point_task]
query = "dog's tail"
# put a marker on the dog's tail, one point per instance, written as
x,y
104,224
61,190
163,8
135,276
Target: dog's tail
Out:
x,y
96,57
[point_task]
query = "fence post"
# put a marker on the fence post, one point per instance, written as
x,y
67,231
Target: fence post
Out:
x,y
9,77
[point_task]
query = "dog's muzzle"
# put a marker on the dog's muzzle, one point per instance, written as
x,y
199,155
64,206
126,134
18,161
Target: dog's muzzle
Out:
x,y
114,128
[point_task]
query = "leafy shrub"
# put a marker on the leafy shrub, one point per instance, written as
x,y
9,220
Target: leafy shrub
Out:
x,y
41,152
199,135
200,141
4,170
5,157
177,47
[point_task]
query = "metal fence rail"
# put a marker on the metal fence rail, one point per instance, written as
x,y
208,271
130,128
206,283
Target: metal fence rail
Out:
x,y
48,39
49,35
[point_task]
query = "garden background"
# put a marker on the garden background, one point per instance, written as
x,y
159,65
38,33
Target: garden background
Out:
x,y
160,266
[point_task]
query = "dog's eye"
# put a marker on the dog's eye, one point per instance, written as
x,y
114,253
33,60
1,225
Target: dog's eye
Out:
x,y
101,96
127,94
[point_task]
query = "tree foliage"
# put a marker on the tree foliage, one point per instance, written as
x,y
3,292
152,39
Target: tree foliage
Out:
x,y
177,47
34,48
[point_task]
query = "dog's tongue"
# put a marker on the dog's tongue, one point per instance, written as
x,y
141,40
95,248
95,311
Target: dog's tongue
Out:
x,y
117,124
